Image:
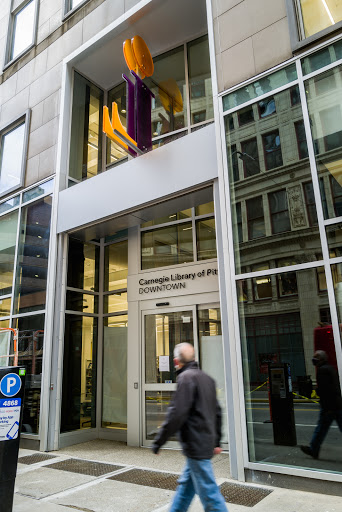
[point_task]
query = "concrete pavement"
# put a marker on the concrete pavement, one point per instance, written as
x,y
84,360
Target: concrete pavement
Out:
x,y
98,476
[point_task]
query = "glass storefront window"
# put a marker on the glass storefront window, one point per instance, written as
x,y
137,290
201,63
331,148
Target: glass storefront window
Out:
x,y
156,405
82,302
162,333
171,245
83,265
31,349
319,14
4,324
114,404
5,306
33,251
205,209
115,302
79,373
206,239
86,130
211,356
201,96
324,93
184,214
276,167
8,205
8,237
116,266
287,329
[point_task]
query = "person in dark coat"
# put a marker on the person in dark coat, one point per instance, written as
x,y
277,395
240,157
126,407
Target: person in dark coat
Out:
x,y
196,415
329,392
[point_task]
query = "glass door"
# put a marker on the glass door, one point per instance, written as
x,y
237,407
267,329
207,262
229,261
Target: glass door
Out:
x,y
162,331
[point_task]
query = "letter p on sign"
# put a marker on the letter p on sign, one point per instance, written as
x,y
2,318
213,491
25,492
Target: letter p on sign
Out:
x,y
10,384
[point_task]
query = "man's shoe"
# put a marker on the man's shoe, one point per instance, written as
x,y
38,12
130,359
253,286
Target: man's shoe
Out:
x,y
308,451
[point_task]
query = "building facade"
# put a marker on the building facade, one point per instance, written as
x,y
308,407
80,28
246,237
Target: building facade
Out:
x,y
225,235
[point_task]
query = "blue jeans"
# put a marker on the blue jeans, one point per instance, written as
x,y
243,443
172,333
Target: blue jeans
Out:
x,y
198,478
325,420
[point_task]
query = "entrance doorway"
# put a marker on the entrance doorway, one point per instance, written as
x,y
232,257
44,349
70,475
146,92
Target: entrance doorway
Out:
x,y
162,329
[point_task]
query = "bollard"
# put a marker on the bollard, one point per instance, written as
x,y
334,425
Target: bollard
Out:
x,y
12,389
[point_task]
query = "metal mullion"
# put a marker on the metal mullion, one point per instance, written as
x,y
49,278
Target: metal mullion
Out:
x,y
7,296
295,471
335,220
35,199
202,123
160,137
279,270
8,317
100,340
80,290
167,224
259,98
334,261
79,313
114,292
234,297
320,217
187,88
9,211
15,260
299,18
205,216
194,235
29,313
117,313
115,241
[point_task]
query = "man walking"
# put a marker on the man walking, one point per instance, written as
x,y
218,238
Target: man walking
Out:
x,y
196,414
328,389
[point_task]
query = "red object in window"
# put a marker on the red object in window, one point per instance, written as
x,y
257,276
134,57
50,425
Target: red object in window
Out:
x,y
324,340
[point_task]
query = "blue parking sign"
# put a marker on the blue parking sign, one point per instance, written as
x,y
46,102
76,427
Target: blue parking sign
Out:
x,y
10,384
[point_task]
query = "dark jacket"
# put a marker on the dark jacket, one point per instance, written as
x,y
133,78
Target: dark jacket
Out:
x,y
194,413
328,388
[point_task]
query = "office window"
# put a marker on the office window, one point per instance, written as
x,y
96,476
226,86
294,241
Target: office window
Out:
x,y
246,115
310,204
301,139
272,150
250,157
267,107
22,29
280,219
72,4
255,216
317,15
13,146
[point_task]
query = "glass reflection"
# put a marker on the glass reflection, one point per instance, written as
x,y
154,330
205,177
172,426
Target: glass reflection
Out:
x,y
318,15
324,94
287,329
171,245
82,302
23,29
211,357
114,404
31,349
162,333
206,239
8,237
169,108
118,94
83,265
156,405
116,266
33,250
86,133
79,373
201,96
271,190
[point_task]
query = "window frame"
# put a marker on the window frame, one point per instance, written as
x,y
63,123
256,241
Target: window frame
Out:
x,y
22,119
68,11
297,37
10,33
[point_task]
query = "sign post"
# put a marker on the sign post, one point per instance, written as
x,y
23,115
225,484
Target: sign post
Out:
x,y
12,388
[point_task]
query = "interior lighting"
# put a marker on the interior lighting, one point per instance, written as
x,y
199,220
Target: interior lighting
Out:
x,y
186,229
36,275
262,281
123,111
328,11
90,144
37,255
39,236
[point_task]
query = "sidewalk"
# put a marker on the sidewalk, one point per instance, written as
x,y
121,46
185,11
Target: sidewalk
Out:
x,y
107,476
